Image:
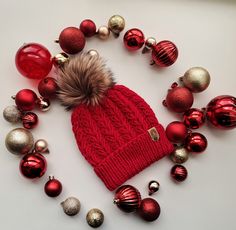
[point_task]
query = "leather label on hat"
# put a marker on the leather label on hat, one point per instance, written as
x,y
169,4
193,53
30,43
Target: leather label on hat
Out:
x,y
154,134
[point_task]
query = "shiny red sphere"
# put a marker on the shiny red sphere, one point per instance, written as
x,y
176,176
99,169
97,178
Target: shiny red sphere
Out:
x,y
196,142
179,173
149,209
47,87
29,120
194,118
221,112
179,99
176,132
72,40
33,61
26,99
134,39
88,27
33,165
164,53
127,198
53,187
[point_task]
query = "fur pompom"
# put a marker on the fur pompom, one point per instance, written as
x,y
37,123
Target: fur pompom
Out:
x,y
83,79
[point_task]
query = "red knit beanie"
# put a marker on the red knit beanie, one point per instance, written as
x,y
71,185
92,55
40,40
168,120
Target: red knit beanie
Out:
x,y
115,129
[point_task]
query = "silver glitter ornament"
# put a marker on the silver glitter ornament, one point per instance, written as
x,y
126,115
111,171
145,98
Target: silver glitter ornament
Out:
x,y
95,218
180,155
71,206
19,141
12,114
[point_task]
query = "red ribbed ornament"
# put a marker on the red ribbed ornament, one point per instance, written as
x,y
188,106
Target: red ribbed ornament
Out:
x,y
164,53
26,99
88,27
179,173
134,39
194,118
53,187
196,142
221,112
29,120
176,132
127,198
47,87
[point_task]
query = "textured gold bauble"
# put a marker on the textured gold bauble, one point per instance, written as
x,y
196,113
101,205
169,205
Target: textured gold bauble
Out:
x,y
196,79
103,32
180,155
95,217
116,24
12,114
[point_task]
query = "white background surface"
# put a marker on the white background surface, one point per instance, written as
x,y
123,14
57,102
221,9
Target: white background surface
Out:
x,y
205,34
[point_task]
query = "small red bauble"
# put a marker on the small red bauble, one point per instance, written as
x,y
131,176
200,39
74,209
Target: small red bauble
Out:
x,y
88,27
194,118
29,120
47,87
33,61
164,53
179,99
26,99
221,112
196,142
127,198
149,209
53,187
179,173
33,165
134,39
72,40
176,132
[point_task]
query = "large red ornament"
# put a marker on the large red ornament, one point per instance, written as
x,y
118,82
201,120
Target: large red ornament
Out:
x,y
53,187
134,39
33,165
88,27
47,87
26,99
176,132
179,99
72,40
179,173
127,198
164,53
196,142
221,112
149,209
194,118
33,61
29,120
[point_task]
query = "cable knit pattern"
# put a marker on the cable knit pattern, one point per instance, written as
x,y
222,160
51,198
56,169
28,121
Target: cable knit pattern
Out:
x,y
114,138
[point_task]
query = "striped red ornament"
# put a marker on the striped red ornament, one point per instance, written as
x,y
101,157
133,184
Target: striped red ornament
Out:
x,y
179,173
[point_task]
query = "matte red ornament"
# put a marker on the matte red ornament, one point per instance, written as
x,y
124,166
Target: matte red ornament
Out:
x,y
33,165
196,142
194,118
29,120
134,39
221,112
53,187
179,173
127,198
149,209
26,99
176,132
72,40
179,99
88,28
33,61
47,87
164,53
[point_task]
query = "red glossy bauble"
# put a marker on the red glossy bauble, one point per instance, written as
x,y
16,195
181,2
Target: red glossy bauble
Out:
x,y
134,39
176,132
26,99
196,142
221,112
47,87
88,27
29,120
179,99
179,173
53,187
149,209
164,53
72,40
33,61
127,198
194,118
33,165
